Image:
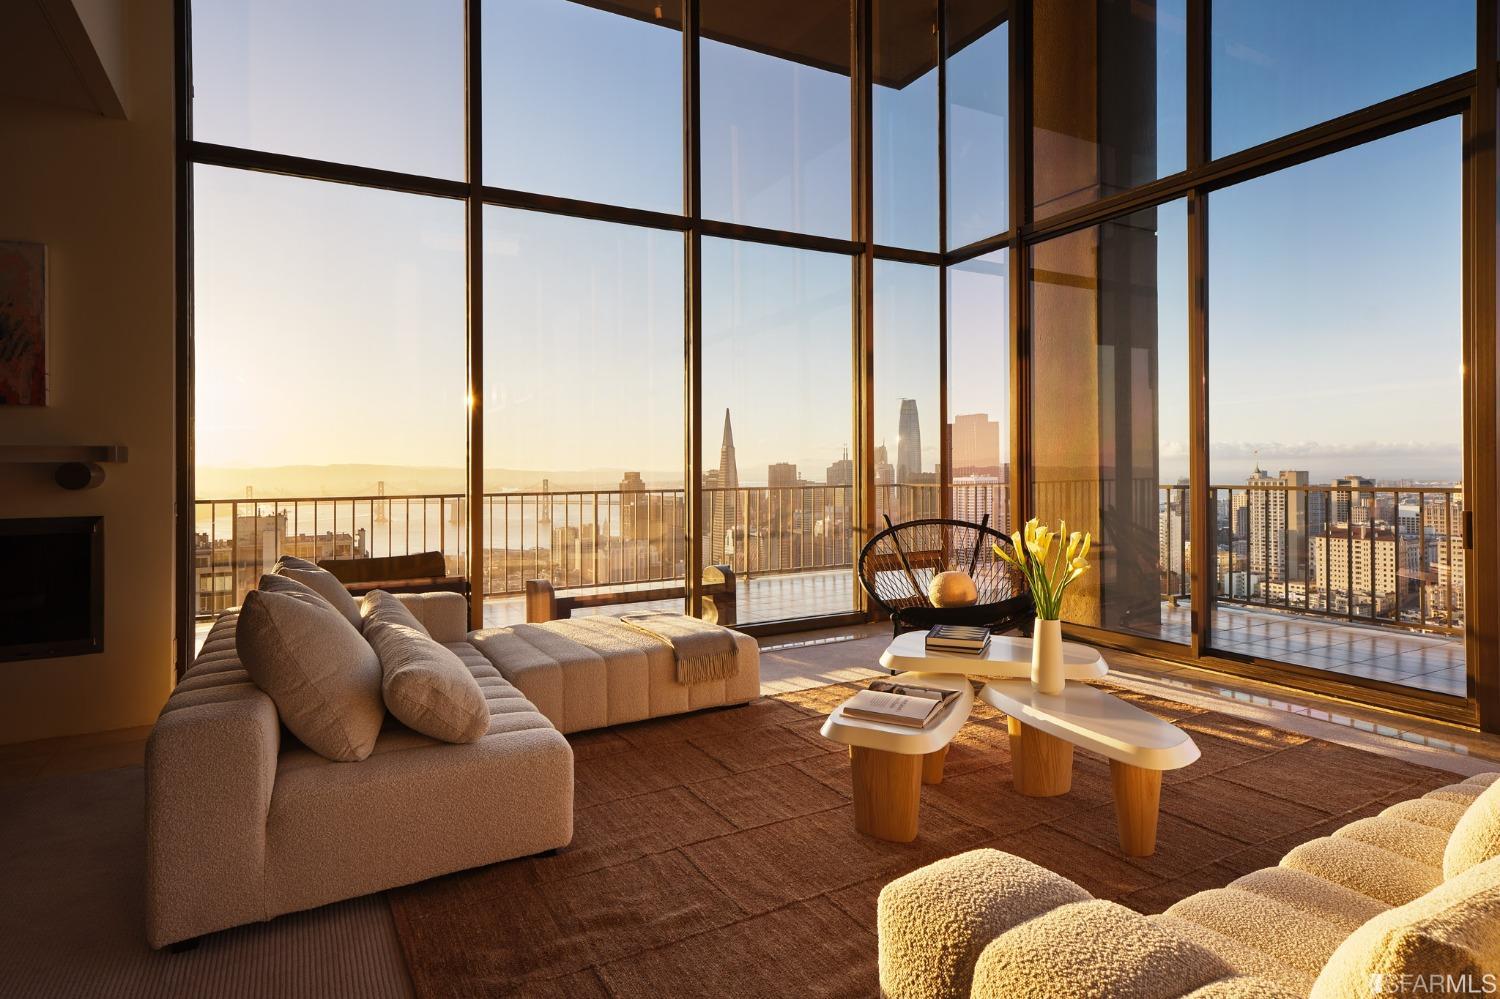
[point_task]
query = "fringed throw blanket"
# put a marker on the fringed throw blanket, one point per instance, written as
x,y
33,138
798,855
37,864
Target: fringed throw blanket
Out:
x,y
704,651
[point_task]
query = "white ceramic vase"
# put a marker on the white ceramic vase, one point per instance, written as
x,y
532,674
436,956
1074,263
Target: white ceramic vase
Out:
x,y
1047,657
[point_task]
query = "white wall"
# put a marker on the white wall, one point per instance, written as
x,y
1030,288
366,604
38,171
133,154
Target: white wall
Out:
x,y
99,193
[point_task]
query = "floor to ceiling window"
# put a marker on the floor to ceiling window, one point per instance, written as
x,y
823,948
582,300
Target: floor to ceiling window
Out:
x,y
1336,411
978,115
778,424
908,462
979,391
713,301
582,403
329,365
584,102
1280,65
1109,412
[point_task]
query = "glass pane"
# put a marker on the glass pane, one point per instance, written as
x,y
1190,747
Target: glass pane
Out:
x,y
778,425
377,83
774,109
978,87
906,391
583,440
329,328
584,101
1110,414
1109,98
905,133
1336,411
979,389
1282,65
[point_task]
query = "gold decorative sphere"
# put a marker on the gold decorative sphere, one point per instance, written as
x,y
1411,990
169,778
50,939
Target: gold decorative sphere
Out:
x,y
952,589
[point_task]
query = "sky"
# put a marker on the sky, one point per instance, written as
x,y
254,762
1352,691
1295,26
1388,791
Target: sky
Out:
x,y
1333,346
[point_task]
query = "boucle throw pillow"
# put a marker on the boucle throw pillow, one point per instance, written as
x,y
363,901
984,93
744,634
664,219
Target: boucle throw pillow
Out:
x,y
1452,933
322,582
378,605
322,675
1476,838
427,686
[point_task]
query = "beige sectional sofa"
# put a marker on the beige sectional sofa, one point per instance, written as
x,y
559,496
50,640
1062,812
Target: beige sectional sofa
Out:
x,y
1372,909
244,823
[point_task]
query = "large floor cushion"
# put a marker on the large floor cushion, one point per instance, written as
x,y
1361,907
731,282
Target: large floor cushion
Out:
x,y
584,673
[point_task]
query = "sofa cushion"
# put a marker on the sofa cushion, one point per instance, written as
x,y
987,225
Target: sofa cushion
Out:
x,y
1452,932
424,685
1087,949
935,922
322,582
322,675
1476,838
1258,920
378,605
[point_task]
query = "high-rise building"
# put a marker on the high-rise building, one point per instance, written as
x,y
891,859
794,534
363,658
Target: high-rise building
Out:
x,y
1353,504
975,445
909,446
633,506
723,505
782,475
841,472
1356,567
1172,540
1279,510
885,472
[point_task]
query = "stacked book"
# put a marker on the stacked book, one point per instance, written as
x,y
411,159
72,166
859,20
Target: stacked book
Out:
x,y
911,705
960,639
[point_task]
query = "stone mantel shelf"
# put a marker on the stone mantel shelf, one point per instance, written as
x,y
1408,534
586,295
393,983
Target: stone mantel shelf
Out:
x,y
63,454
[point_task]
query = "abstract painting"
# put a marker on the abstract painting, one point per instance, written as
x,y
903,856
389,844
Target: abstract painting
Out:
x,y
23,324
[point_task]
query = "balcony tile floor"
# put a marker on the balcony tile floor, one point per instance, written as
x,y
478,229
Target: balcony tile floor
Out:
x,y
1431,662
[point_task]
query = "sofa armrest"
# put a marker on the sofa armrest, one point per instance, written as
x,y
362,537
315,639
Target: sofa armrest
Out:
x,y
445,615
210,769
935,921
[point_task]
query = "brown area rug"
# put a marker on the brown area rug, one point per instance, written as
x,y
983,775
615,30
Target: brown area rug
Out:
x,y
715,853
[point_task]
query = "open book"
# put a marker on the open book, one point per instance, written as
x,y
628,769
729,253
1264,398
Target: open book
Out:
x,y
909,704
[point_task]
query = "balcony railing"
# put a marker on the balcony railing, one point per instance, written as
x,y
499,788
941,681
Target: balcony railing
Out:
x,y
577,539
1384,555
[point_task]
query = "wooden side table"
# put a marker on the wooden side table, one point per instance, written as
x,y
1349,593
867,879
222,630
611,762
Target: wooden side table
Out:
x,y
890,763
1044,728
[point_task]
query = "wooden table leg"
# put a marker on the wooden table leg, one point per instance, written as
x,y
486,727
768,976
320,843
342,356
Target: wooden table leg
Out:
x,y
932,766
887,793
1137,801
1041,764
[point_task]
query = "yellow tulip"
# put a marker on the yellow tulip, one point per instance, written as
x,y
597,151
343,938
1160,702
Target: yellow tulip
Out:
x,y
1074,540
1003,554
1088,539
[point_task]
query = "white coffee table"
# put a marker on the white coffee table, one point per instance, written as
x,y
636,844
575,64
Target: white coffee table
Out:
x,y
1007,657
890,763
1044,728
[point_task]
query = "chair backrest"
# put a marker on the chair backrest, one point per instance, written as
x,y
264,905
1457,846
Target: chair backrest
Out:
x,y
896,565
422,565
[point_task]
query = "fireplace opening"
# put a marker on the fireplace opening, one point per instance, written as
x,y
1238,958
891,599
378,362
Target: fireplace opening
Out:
x,y
51,587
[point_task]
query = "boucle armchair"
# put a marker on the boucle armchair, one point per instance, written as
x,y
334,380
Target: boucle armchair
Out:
x,y
1399,894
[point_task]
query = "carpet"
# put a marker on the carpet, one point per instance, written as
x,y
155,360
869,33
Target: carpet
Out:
x,y
715,853
72,876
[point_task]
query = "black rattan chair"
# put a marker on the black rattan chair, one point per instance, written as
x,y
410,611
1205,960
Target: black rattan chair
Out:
x,y
897,565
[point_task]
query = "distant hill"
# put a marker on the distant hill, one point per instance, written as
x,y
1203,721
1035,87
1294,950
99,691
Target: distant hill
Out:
x,y
363,480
